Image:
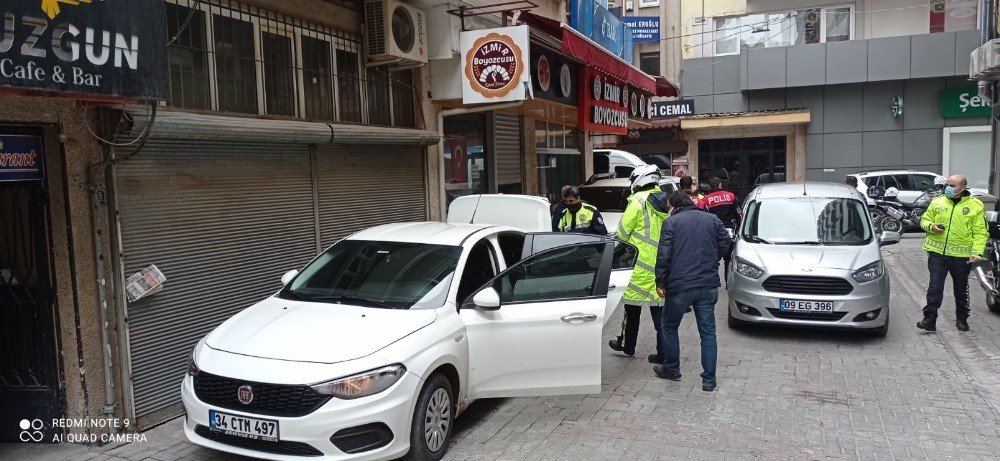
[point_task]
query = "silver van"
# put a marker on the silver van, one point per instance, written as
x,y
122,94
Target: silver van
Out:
x,y
806,255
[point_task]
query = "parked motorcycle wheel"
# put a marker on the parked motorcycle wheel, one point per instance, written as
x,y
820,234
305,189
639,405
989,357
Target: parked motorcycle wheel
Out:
x,y
889,224
993,303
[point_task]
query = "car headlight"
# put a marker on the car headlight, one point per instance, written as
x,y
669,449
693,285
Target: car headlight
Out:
x,y
192,367
362,384
744,268
870,272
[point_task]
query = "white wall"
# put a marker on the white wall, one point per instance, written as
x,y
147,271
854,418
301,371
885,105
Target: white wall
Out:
x,y
905,17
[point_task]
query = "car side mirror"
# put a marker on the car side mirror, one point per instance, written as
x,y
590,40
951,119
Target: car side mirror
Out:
x,y
888,238
288,276
486,300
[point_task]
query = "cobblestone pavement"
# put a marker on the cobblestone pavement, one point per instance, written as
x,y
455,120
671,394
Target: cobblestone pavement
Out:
x,y
782,394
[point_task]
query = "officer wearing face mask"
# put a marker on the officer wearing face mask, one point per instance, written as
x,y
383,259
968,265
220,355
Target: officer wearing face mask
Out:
x,y
955,223
579,216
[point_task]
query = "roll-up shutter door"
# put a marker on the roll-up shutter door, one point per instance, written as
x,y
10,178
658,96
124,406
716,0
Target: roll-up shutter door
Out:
x,y
507,142
365,186
222,221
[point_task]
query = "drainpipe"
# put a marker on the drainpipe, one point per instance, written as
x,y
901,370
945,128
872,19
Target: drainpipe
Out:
x,y
98,197
440,125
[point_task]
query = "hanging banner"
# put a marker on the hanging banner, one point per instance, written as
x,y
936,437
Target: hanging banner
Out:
x,y
109,48
21,158
495,65
593,20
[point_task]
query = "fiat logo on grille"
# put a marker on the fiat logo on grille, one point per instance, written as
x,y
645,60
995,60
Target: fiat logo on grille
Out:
x,y
245,394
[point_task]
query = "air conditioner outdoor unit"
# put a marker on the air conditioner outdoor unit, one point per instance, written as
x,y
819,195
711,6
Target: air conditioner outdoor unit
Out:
x,y
395,34
984,62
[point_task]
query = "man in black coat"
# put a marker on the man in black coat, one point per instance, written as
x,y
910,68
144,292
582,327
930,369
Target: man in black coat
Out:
x,y
692,242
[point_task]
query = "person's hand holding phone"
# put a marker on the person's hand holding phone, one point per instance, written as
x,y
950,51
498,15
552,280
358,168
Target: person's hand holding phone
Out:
x,y
937,228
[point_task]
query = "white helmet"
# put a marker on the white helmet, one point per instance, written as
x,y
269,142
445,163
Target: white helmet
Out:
x,y
892,192
940,181
643,176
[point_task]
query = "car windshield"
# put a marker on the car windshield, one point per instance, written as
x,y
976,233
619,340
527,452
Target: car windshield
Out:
x,y
391,275
807,221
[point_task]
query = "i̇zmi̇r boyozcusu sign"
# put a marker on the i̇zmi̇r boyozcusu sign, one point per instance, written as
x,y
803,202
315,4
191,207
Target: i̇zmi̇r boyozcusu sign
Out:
x,y
495,63
108,49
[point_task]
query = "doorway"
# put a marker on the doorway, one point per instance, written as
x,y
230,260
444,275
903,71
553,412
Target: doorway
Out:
x,y
742,163
29,386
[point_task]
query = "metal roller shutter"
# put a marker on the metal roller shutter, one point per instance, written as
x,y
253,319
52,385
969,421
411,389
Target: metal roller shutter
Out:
x,y
364,186
507,142
222,221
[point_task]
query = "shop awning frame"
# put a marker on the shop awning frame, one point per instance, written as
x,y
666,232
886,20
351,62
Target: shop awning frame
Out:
x,y
589,53
192,126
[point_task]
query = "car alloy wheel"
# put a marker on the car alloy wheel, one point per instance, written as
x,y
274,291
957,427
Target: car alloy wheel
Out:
x,y
437,420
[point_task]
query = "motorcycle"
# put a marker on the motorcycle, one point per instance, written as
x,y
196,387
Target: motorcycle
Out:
x,y
894,216
987,270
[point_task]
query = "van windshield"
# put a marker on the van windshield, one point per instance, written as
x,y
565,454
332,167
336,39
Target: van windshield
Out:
x,y
807,221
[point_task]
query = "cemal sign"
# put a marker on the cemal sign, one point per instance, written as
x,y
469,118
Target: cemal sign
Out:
x,y
113,48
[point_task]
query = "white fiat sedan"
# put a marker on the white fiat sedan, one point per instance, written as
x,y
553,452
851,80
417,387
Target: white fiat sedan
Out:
x,y
373,349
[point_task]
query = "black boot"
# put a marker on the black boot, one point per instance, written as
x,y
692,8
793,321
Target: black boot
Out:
x,y
616,345
962,324
927,324
655,359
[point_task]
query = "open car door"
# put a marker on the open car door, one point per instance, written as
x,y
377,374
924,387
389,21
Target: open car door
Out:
x,y
535,329
622,263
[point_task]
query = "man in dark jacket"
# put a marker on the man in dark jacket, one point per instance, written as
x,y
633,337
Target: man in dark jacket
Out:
x,y
687,275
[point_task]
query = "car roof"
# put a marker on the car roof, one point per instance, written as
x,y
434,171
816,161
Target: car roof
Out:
x,y
812,189
886,172
434,233
610,182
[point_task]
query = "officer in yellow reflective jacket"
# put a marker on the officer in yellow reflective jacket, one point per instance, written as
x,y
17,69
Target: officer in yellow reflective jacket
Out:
x,y
579,216
956,237
640,226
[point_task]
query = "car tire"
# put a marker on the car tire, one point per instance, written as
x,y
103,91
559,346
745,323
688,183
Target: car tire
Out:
x,y
734,324
435,406
883,330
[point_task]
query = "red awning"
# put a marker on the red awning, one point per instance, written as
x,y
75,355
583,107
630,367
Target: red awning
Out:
x,y
593,55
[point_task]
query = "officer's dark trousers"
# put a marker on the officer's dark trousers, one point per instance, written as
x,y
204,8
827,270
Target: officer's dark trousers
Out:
x,y
630,328
939,267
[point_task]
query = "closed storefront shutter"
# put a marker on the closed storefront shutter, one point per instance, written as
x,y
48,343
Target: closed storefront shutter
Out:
x,y
507,139
365,186
224,206
222,223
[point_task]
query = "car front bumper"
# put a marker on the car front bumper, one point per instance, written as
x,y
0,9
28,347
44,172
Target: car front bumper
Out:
x,y
750,303
392,407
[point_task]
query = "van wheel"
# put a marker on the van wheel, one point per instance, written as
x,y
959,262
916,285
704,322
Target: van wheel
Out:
x,y
433,420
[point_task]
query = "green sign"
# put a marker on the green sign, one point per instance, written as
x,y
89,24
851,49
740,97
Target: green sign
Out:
x,y
963,102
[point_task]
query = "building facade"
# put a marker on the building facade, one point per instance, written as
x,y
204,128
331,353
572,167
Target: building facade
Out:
x,y
264,134
817,90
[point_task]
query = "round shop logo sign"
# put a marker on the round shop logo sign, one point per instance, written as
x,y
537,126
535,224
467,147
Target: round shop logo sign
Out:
x,y
565,81
494,65
635,105
544,73
598,87
625,95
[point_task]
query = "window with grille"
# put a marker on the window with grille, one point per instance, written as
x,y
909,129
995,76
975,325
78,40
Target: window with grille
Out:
x,y
234,57
349,86
190,81
235,69
279,74
317,79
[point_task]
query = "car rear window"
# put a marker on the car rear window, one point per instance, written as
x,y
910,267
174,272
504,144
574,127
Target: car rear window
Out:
x,y
606,198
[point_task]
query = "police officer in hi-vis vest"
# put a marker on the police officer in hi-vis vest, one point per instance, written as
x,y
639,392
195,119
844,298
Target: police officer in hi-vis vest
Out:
x,y
640,226
579,216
